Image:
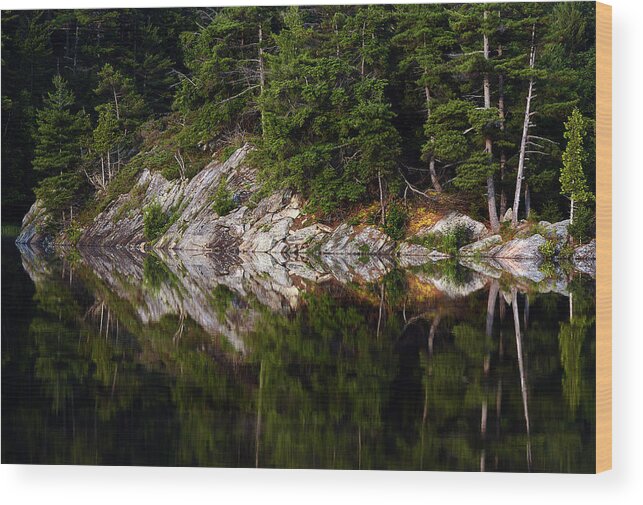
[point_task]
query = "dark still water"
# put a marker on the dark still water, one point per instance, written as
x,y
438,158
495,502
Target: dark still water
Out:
x,y
116,358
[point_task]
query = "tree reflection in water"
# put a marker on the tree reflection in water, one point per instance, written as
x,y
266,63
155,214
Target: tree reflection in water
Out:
x,y
120,358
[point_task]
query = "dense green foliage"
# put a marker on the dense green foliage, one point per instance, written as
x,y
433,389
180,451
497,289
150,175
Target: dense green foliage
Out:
x,y
222,201
449,242
572,177
346,104
155,221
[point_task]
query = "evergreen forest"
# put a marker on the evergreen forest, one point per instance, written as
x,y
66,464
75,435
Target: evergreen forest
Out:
x,y
489,105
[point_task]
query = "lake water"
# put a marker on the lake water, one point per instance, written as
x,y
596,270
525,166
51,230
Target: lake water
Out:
x,y
117,358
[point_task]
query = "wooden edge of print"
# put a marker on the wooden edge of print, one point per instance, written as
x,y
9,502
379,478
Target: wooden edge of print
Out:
x,y
603,237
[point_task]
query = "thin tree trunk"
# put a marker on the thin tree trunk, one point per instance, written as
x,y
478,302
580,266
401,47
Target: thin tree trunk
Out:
x,y
491,190
525,134
527,200
503,192
76,47
434,176
118,114
262,74
503,155
491,203
362,65
571,212
486,84
379,180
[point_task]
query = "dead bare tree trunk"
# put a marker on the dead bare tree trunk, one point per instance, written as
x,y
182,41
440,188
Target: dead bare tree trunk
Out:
x,y
527,200
525,133
102,169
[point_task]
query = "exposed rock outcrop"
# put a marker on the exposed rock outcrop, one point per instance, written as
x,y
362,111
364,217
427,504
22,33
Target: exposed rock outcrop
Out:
x,y
556,231
277,224
520,248
363,241
584,258
450,222
33,224
481,247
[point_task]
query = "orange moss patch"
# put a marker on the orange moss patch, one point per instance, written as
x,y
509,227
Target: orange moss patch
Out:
x,y
421,217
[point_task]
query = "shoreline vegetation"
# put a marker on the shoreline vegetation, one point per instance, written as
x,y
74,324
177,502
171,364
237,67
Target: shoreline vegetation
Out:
x,y
397,130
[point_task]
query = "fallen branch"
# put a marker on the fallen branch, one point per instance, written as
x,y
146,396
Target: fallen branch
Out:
x,y
414,189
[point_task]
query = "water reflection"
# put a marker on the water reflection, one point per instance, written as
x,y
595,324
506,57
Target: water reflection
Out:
x,y
117,357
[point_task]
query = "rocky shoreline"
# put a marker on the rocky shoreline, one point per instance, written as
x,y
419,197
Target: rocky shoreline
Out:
x,y
277,224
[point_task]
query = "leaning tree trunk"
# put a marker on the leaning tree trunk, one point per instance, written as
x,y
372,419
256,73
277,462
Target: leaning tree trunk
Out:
x,y
491,190
525,135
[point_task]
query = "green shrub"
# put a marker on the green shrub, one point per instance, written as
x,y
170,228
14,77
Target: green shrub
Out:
x,y
548,250
73,234
583,227
222,201
396,220
57,193
566,252
155,221
448,243
457,237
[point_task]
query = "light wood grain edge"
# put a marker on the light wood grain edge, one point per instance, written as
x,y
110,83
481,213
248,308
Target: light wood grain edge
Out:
x,y
604,237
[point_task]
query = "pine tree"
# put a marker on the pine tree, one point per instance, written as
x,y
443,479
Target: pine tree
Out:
x,y
572,176
373,138
118,119
60,133
303,107
226,74
424,38
475,25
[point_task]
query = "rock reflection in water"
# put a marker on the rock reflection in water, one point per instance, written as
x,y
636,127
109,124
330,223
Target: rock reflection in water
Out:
x,y
256,360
